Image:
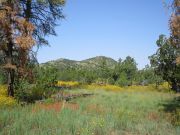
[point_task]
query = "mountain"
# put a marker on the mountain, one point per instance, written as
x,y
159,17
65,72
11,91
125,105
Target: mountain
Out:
x,y
94,62
99,60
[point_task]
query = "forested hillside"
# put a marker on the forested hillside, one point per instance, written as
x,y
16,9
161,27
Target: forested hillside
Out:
x,y
90,63
104,70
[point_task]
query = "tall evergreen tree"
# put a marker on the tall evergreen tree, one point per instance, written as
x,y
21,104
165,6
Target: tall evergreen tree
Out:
x,y
24,24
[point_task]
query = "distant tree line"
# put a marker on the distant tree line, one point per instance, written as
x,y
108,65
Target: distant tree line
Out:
x,y
125,73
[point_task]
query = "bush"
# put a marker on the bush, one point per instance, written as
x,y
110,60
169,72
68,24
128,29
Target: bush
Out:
x,y
110,81
2,77
31,92
45,78
4,100
123,82
24,92
68,84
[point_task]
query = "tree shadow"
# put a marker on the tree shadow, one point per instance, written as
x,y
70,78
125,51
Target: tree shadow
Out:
x,y
172,105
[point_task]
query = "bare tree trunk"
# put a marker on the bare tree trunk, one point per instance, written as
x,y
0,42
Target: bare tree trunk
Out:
x,y
176,87
10,70
9,54
11,83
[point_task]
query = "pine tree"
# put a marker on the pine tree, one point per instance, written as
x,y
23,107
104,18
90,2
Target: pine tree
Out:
x,y
24,24
175,27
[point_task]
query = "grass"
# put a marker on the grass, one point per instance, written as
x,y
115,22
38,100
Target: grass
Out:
x,y
104,113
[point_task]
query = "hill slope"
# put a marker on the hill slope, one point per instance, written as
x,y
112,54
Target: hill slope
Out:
x,y
94,62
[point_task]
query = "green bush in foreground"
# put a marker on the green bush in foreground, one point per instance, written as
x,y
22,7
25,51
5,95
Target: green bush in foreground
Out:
x,y
41,87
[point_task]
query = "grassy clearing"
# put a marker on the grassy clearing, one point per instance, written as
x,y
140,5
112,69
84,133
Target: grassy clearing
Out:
x,y
105,113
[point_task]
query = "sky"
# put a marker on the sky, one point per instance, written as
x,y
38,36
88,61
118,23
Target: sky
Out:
x,y
112,28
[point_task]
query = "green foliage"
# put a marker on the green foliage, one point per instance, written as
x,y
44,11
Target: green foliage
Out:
x,y
164,62
125,71
147,76
87,76
26,92
45,76
103,70
2,77
111,81
2,73
123,80
45,79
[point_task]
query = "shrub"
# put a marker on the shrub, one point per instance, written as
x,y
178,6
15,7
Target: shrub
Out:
x,y
2,77
45,78
27,92
122,82
110,81
4,100
68,84
3,90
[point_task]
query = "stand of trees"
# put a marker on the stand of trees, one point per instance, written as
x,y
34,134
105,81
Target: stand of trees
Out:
x,y
125,73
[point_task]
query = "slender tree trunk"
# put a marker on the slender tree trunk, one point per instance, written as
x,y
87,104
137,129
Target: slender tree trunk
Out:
x,y
11,83
176,87
9,59
10,70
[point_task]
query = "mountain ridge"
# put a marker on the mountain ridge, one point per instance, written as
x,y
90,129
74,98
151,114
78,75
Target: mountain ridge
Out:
x,y
87,63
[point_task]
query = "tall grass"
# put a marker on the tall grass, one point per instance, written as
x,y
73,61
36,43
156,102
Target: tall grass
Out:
x,y
105,113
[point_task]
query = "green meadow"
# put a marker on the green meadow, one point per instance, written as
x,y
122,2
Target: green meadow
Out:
x,y
113,68
103,113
